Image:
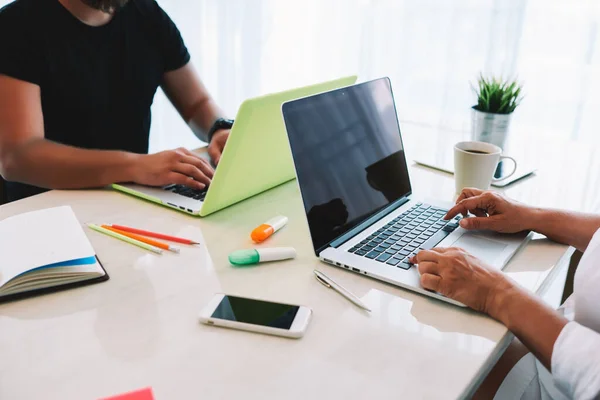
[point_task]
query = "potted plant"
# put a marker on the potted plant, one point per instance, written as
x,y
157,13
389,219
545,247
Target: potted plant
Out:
x,y
496,101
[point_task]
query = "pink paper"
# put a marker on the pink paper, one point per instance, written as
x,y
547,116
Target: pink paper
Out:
x,y
142,394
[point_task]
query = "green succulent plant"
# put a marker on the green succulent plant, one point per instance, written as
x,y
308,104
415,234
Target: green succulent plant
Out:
x,y
497,96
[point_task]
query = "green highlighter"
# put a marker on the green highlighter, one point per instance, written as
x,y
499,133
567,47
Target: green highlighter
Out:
x,y
255,256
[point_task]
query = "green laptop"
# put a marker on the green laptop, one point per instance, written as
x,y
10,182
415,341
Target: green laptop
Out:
x,y
256,158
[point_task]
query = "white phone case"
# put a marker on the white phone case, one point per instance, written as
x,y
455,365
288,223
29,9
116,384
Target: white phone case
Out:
x,y
296,331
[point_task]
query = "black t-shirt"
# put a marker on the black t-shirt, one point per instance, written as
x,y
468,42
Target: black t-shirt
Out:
x,y
97,83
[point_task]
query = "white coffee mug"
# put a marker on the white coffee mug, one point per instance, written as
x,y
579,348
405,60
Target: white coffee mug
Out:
x,y
475,164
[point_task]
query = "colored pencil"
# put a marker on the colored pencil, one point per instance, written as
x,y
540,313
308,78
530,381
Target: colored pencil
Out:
x,y
146,240
153,234
125,239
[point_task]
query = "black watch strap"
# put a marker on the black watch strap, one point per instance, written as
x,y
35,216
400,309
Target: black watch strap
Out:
x,y
220,123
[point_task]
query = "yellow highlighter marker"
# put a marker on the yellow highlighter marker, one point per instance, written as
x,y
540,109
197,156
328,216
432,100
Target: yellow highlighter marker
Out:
x,y
125,239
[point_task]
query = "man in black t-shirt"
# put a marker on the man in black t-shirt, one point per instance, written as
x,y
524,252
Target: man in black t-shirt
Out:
x,y
77,79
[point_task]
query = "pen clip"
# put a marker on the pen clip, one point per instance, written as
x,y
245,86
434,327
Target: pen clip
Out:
x,y
324,283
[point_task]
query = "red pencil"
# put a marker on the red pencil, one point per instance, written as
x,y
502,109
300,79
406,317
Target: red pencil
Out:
x,y
153,234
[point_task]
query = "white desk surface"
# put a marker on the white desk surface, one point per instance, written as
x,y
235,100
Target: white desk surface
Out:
x,y
141,329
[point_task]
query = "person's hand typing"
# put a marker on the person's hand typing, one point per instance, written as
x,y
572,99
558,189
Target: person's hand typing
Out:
x,y
179,166
462,277
492,211
217,144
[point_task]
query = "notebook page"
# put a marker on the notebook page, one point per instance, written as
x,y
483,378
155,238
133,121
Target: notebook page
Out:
x,y
63,276
55,273
45,284
39,238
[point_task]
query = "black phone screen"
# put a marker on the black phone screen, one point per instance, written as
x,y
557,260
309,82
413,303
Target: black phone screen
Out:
x,y
256,312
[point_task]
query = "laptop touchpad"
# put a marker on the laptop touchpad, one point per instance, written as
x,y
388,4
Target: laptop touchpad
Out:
x,y
482,248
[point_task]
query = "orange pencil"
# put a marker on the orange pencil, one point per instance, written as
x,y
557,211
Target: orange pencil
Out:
x,y
141,238
152,234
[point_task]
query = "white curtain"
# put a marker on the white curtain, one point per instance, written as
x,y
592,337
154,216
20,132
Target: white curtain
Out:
x,y
431,49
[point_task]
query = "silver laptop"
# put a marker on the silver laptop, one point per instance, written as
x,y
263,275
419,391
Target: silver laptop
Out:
x,y
354,182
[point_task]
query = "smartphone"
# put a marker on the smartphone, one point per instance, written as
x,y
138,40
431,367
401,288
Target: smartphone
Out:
x,y
256,316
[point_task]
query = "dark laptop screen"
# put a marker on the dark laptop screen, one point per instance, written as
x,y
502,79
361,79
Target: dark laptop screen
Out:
x,y
348,154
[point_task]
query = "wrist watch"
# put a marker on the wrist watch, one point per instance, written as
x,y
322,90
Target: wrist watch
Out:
x,y
220,123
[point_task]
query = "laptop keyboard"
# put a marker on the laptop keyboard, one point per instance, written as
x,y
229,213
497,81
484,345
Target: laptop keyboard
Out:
x,y
196,194
420,228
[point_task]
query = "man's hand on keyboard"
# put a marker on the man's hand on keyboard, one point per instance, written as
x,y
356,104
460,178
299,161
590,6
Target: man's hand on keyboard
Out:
x,y
491,211
179,166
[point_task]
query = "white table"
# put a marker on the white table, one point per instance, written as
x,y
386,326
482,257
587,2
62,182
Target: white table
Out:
x,y
141,329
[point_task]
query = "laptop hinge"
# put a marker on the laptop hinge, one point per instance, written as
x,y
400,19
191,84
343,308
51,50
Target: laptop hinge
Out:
x,y
337,242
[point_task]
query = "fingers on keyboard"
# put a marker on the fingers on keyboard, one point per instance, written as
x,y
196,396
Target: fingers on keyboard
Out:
x,y
394,244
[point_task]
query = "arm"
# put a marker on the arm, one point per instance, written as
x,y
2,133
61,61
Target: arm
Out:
x,y
191,99
535,324
572,228
460,276
51,165
195,105
495,212
569,349
26,156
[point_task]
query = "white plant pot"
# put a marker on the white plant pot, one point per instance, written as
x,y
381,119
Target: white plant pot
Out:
x,y
490,128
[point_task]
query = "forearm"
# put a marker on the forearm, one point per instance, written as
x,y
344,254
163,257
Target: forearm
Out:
x,y
572,228
55,166
529,319
202,118
193,101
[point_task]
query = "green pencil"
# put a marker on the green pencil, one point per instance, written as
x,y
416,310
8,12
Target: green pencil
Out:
x,y
125,239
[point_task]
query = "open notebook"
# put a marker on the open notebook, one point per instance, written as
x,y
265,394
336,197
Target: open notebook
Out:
x,y
43,251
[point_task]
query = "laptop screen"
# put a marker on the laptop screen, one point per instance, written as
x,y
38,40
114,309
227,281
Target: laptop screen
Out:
x,y
348,154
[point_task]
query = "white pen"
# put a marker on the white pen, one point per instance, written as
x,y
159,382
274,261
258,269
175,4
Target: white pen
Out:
x,y
328,282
